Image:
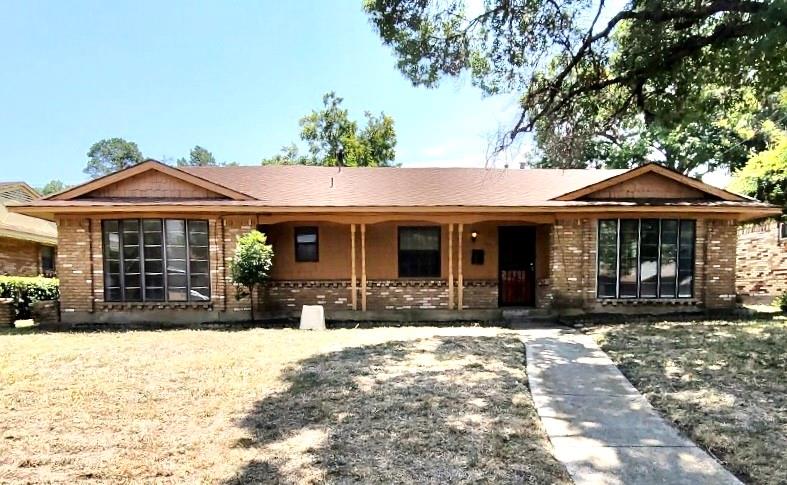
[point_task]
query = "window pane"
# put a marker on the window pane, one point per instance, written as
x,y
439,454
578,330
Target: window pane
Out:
x,y
306,244
154,280
176,232
176,294
154,294
305,252
419,252
649,258
629,241
306,238
669,258
175,240
198,252
419,238
111,239
200,294
607,258
198,233
686,260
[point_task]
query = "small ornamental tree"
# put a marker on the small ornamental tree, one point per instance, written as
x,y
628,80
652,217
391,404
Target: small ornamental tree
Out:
x,y
251,265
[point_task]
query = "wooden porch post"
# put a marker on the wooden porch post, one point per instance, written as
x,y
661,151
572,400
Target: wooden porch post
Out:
x,y
354,283
451,266
461,289
363,267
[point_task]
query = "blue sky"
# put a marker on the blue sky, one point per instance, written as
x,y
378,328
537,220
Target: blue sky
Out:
x,y
234,77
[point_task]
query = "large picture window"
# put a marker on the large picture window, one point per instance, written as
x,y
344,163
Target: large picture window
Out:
x,y
646,258
419,252
156,260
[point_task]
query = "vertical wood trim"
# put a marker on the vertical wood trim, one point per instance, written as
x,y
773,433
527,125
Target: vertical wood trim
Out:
x,y
354,282
460,289
363,267
451,266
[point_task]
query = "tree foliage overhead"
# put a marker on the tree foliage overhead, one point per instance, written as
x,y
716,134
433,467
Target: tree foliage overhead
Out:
x,y
110,155
333,139
649,76
198,157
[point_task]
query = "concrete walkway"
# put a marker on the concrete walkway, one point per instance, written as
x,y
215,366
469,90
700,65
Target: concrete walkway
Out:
x,y
602,429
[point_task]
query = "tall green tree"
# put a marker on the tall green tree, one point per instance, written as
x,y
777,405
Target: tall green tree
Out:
x,y
332,139
647,75
765,175
110,155
53,186
198,157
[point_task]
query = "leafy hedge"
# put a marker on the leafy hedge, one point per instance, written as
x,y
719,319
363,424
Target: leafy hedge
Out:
x,y
25,290
781,301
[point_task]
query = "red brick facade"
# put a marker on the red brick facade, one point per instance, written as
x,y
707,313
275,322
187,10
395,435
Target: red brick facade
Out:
x,y
19,257
570,281
761,262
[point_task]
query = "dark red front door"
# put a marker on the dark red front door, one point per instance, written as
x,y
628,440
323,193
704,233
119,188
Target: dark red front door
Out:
x,y
517,265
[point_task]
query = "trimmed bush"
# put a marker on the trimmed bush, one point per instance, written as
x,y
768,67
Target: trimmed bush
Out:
x,y
781,301
24,290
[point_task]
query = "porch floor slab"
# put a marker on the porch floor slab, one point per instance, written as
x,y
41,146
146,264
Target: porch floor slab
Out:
x,y
603,430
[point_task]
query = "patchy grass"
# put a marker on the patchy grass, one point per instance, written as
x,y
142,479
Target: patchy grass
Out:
x,y
378,405
723,383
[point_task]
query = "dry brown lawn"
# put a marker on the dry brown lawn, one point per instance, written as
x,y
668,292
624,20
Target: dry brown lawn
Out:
x,y
724,384
378,405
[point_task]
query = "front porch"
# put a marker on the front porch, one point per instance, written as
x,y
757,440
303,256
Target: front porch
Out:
x,y
434,266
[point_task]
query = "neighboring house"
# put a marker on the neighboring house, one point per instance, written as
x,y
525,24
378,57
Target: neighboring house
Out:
x,y
28,245
762,261
153,242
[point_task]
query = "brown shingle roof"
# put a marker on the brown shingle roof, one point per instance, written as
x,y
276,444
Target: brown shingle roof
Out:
x,y
285,186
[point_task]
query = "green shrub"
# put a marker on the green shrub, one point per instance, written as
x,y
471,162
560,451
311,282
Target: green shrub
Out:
x,y
25,290
781,301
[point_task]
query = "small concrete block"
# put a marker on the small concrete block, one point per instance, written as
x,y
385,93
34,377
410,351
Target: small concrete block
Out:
x,y
312,317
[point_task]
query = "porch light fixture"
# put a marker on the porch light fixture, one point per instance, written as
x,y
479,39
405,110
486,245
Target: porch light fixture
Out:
x,y
474,236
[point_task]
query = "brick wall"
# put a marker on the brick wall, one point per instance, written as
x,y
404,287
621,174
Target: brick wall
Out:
x,y
572,263
6,312
761,262
480,294
73,264
19,258
719,277
406,294
288,296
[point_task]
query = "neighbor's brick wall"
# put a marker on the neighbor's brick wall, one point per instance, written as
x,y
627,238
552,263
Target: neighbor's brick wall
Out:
x,y
6,312
19,258
761,262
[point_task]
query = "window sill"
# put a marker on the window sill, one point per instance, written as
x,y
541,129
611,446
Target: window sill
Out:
x,y
161,305
647,301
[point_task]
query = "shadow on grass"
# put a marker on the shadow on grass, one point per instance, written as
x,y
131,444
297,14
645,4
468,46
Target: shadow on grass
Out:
x,y
724,384
445,409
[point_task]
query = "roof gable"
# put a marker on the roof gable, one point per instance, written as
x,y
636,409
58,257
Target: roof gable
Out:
x,y
651,181
150,179
17,192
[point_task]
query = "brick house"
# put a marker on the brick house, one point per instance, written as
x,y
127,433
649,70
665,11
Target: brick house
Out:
x,y
28,245
762,261
152,243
